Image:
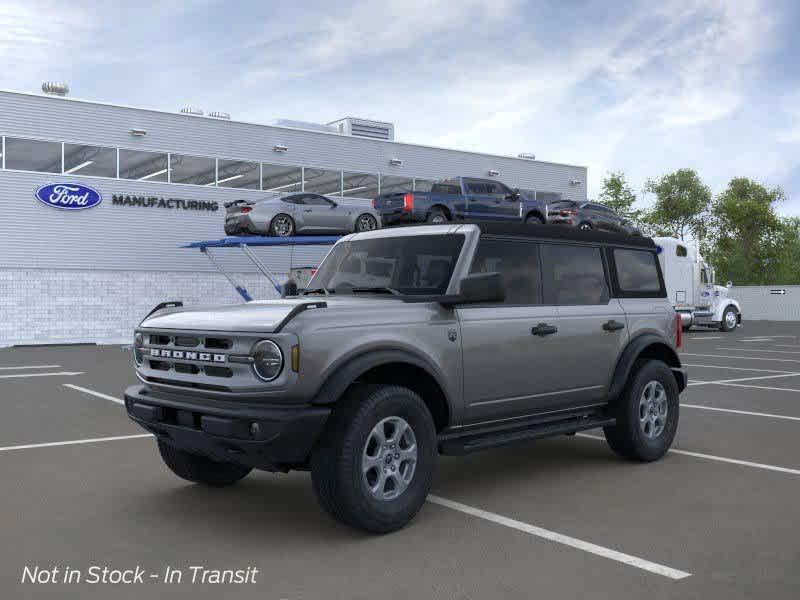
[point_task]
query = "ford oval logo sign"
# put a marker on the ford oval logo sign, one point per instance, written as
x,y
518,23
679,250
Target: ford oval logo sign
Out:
x,y
68,196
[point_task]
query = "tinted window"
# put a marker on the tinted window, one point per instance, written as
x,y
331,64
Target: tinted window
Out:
x,y
196,170
446,188
33,155
238,174
637,271
280,178
144,166
315,201
90,160
573,275
680,251
392,185
323,181
517,262
419,264
360,185
476,188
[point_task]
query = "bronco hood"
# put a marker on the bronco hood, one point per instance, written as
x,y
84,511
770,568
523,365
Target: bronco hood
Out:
x,y
264,316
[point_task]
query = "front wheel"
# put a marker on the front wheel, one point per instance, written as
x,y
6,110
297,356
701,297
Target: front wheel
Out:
x,y
366,222
730,319
200,469
585,226
374,465
646,413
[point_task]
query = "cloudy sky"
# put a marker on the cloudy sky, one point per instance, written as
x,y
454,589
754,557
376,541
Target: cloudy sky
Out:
x,y
642,87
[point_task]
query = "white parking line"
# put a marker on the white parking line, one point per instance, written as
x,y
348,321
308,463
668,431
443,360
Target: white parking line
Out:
x,y
760,387
30,367
700,337
756,340
19,375
759,350
93,393
721,381
791,360
786,345
741,412
552,536
723,459
737,368
76,442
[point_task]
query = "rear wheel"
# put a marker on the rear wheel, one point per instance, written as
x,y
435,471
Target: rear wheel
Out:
x,y
374,465
200,469
730,319
585,226
366,222
646,413
534,220
282,226
437,216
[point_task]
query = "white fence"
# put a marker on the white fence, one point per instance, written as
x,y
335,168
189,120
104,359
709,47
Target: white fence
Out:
x,y
768,302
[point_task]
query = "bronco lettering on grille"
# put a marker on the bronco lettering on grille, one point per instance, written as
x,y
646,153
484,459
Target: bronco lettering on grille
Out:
x,y
183,355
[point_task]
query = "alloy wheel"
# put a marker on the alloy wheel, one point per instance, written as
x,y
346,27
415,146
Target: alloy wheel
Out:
x,y
389,458
653,409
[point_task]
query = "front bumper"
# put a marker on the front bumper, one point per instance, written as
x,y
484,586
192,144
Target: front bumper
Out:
x,y
263,436
393,217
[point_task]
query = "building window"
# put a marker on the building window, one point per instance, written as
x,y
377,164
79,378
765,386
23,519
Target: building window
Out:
x,y
90,160
195,170
144,166
323,181
238,174
423,185
281,178
396,185
360,185
33,155
547,197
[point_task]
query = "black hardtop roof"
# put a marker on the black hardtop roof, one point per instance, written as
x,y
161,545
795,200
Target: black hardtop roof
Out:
x,y
562,232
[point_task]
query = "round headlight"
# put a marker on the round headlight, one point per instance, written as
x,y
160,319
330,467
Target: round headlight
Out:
x,y
267,360
138,342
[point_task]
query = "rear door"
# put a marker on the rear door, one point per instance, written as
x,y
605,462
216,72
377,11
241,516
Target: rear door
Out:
x,y
508,371
592,330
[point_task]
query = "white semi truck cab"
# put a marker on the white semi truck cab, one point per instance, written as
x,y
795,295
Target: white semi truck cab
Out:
x,y
691,288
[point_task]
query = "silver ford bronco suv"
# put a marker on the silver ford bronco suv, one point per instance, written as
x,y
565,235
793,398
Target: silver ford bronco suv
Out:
x,y
413,342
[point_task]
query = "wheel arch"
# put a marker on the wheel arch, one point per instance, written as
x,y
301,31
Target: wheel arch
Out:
x,y
448,213
285,214
645,346
535,212
390,366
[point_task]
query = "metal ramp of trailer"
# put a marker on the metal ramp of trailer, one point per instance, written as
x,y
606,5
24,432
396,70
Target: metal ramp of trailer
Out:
x,y
246,244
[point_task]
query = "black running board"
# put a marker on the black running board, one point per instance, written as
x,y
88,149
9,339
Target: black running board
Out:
x,y
475,442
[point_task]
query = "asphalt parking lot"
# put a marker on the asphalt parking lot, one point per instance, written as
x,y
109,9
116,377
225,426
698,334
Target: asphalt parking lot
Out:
x,y
719,517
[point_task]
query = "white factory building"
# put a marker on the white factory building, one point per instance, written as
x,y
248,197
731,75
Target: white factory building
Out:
x,y
73,276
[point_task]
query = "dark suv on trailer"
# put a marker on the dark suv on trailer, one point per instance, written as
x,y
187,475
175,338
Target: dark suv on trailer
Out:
x,y
589,215
413,342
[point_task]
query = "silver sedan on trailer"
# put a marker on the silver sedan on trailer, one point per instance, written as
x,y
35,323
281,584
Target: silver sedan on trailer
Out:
x,y
282,215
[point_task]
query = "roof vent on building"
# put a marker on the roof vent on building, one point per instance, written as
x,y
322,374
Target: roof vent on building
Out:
x,y
527,155
192,110
376,130
216,114
55,88
493,173
303,125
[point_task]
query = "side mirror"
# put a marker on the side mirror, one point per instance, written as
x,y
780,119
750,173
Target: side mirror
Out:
x,y
482,287
514,195
289,288
729,285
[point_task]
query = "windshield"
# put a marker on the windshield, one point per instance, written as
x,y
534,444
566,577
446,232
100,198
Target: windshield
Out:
x,y
419,264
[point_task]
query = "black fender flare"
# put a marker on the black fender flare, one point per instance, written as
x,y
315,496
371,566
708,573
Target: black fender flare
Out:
x,y
350,369
636,347
444,208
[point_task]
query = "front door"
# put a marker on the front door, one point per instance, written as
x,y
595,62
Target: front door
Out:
x,y
320,214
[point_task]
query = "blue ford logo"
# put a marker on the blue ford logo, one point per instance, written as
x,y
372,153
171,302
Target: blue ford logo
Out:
x,y
69,196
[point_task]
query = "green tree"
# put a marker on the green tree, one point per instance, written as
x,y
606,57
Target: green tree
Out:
x,y
618,196
749,242
681,205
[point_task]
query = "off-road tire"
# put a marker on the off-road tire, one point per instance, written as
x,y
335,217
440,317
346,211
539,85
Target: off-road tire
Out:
x,y
437,215
336,470
200,469
626,437
723,326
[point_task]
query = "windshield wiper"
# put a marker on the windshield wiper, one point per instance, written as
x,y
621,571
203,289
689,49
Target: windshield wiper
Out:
x,y
321,290
375,290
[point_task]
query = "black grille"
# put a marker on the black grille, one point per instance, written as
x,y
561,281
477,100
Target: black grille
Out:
x,y
187,341
218,343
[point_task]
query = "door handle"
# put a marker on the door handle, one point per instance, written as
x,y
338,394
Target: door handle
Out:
x,y
543,329
613,325
308,210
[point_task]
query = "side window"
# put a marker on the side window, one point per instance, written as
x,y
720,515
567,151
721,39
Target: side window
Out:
x,y
517,262
681,251
637,272
573,275
316,201
703,276
474,187
294,199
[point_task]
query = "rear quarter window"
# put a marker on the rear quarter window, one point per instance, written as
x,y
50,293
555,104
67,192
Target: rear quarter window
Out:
x,y
638,273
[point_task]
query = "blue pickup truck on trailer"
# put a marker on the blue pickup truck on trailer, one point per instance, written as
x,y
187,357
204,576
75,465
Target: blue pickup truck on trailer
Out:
x,y
461,198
